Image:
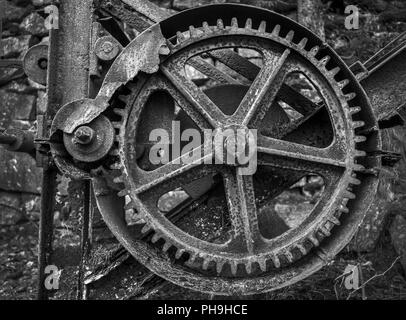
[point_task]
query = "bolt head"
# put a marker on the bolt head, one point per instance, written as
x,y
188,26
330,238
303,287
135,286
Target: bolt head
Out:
x,y
83,135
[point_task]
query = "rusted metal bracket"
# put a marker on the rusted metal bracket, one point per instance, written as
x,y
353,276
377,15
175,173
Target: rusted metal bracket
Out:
x,y
383,77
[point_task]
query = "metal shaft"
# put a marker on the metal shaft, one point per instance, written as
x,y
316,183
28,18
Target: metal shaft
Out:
x,y
7,139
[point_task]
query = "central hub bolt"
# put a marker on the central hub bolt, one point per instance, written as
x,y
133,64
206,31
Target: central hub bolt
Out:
x,y
107,47
83,135
234,145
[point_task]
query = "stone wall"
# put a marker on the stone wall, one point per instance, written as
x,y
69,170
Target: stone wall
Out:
x,y
20,179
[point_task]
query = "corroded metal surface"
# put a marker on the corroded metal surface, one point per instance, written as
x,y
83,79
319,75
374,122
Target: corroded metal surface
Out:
x,y
206,114
244,250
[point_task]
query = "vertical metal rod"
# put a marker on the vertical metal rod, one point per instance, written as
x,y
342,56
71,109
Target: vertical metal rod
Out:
x,y
68,78
46,227
85,238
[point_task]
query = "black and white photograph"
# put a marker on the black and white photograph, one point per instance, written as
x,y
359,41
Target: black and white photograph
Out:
x,y
204,158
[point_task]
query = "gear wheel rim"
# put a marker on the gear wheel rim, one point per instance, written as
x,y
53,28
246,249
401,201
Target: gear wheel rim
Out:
x,y
237,285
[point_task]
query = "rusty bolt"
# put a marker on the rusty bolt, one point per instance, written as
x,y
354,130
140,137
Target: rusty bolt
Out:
x,y
83,135
106,48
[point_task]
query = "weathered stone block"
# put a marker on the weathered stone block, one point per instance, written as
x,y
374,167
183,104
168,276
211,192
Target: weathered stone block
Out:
x,y
34,24
15,104
13,47
19,173
10,208
15,13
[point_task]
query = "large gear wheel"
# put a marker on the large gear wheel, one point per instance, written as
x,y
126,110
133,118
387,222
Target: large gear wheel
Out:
x,y
328,137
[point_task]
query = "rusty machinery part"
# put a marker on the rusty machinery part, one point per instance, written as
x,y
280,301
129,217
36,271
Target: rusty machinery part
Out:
x,y
328,140
92,142
107,48
35,63
18,140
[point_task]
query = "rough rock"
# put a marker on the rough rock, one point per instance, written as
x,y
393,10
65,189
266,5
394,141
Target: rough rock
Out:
x,y
19,173
14,47
15,13
10,209
34,24
15,104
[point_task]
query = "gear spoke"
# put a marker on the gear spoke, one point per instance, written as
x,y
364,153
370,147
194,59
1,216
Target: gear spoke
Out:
x,y
197,99
292,126
330,156
243,212
263,90
170,171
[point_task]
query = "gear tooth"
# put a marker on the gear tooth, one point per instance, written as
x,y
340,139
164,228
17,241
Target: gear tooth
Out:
x,y
166,246
358,124
116,124
358,167
302,43
155,238
193,32
350,96
289,256
206,27
119,112
145,229
349,195
118,179
114,152
122,193
179,253
334,71
115,166
248,23
334,220
262,26
262,265
360,153
276,262
325,60
301,248
355,110
206,264
314,50
290,35
313,239
219,266
170,45
234,267
130,205
324,231
343,84
276,30
355,181
234,23
343,209
192,258
181,37
220,24
248,267
359,139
